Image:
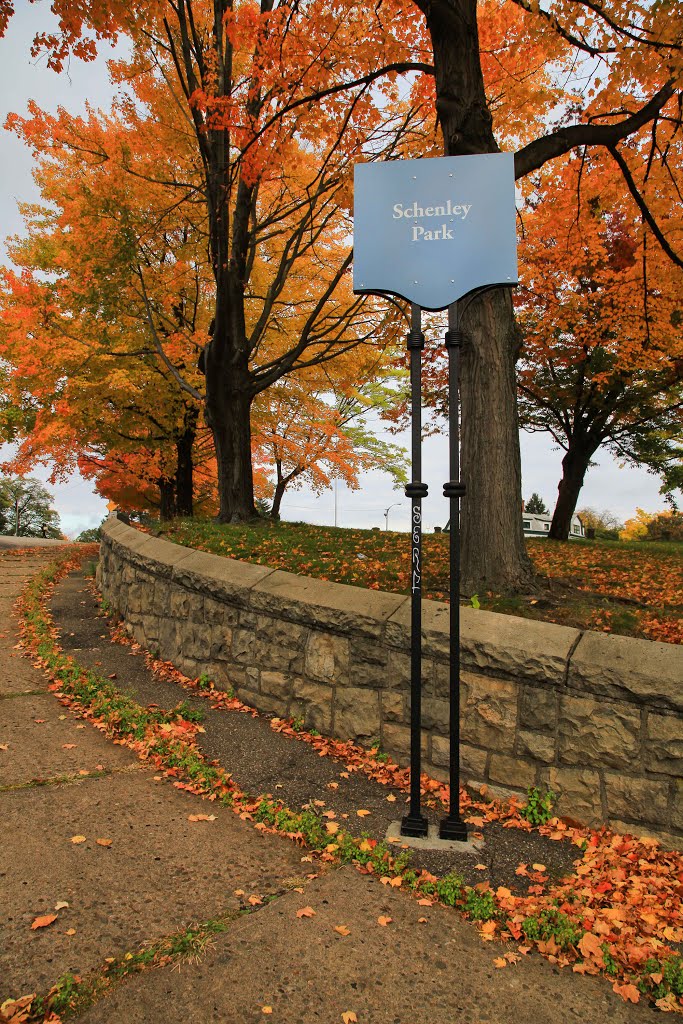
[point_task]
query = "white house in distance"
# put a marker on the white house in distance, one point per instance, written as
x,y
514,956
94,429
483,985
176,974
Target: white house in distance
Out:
x,y
536,525
539,526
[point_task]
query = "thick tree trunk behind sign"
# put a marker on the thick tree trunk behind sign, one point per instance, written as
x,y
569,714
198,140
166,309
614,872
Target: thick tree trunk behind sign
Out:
x,y
493,549
492,536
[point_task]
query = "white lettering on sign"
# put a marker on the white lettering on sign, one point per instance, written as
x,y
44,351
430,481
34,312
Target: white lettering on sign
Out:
x,y
430,236
415,212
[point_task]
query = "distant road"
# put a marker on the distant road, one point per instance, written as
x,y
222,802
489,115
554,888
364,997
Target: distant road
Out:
x,y
31,542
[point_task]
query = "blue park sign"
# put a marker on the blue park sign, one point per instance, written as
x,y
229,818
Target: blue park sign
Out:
x,y
431,231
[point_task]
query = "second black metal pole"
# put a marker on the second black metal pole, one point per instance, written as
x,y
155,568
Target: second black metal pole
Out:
x,y
452,826
414,823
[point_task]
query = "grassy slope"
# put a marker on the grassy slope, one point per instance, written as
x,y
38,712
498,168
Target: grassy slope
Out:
x,y
626,587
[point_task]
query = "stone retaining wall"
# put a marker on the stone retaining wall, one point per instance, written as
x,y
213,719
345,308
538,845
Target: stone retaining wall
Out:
x,y
597,718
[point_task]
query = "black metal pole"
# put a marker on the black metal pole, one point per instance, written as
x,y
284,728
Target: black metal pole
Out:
x,y
414,823
452,826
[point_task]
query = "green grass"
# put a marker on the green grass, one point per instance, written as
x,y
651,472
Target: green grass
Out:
x,y
632,588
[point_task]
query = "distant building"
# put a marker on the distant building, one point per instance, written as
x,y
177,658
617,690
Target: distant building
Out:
x,y
536,526
539,526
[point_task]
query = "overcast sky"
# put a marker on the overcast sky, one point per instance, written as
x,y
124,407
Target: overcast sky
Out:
x,y
608,486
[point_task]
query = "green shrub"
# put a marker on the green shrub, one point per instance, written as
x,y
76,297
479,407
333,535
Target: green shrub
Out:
x,y
449,888
552,924
481,906
539,806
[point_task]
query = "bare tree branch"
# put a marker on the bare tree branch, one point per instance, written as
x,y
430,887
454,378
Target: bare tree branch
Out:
x,y
643,207
538,152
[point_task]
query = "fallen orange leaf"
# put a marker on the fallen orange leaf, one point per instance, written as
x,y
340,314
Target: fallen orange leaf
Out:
x,y
43,922
201,817
78,839
306,912
628,992
384,921
342,929
266,1009
363,813
103,842
590,945
349,1017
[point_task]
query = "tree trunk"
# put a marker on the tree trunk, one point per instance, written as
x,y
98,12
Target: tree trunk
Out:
x,y
279,494
494,554
185,466
574,466
228,414
232,437
228,394
493,548
166,498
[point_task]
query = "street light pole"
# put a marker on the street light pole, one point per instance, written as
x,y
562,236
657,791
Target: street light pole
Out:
x,y
386,513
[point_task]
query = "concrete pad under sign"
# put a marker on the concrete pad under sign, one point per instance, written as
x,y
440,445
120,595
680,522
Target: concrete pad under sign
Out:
x,y
432,841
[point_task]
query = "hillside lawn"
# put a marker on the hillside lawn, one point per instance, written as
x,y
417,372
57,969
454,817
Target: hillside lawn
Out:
x,y
627,587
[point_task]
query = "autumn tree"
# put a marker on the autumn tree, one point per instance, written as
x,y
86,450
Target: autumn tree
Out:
x,y
541,79
91,381
271,205
628,63
667,526
313,427
602,362
604,524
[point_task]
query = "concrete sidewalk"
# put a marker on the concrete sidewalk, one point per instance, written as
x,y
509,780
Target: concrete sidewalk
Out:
x,y
60,779
28,543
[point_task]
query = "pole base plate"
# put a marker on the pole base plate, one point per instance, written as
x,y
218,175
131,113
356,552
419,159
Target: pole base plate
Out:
x,y
414,825
453,829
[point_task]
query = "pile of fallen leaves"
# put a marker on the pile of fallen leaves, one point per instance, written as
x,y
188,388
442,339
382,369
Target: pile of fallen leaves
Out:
x,y
25,1010
619,915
